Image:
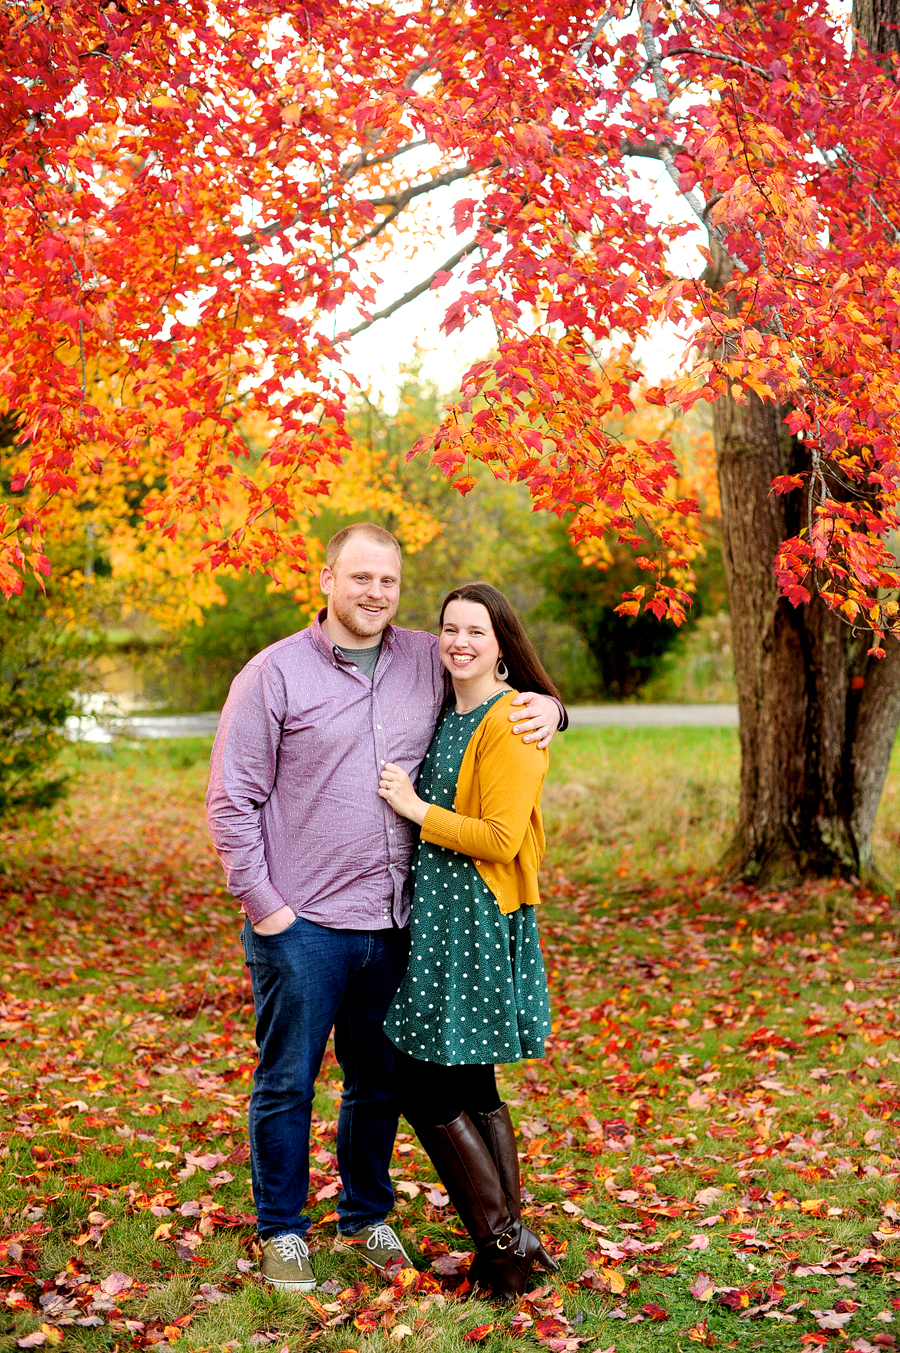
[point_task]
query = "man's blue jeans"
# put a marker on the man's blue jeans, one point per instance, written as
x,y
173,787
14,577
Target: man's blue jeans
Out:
x,y
307,980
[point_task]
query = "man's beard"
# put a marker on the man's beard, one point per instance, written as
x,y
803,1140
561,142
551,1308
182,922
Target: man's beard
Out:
x,y
354,620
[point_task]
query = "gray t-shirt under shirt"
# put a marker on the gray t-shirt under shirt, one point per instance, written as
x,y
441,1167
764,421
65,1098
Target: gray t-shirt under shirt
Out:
x,y
366,659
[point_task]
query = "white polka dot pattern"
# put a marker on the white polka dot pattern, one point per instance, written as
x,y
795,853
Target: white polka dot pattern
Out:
x,y
475,990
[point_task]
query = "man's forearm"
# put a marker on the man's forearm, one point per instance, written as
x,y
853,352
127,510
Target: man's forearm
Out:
x,y
242,774
236,833
261,902
563,715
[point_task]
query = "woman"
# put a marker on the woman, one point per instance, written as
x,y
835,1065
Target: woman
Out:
x,y
475,992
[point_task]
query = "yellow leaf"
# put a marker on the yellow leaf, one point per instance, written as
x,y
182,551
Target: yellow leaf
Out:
x,y
614,1279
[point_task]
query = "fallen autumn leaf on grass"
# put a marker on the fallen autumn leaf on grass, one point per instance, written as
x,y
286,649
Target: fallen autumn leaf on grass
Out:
x,y
478,1333
125,1110
702,1287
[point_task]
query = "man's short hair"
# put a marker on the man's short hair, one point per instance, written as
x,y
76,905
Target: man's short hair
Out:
x,y
369,530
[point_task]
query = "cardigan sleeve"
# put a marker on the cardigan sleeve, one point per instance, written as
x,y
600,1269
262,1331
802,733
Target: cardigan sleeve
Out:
x,y
510,775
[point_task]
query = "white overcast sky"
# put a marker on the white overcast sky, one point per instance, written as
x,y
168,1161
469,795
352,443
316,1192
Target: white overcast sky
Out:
x,y
376,356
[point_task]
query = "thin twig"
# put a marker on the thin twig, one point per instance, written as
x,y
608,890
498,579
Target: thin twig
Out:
x,y
887,221
592,37
417,189
414,75
849,161
721,56
666,153
254,239
372,233
363,162
411,295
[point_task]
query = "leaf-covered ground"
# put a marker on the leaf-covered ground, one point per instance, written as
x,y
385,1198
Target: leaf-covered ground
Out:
x,y
711,1142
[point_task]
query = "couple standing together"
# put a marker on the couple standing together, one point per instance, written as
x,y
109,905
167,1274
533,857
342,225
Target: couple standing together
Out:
x,y
400,917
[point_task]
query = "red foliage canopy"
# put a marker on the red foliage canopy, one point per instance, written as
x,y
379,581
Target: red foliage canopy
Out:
x,y
189,194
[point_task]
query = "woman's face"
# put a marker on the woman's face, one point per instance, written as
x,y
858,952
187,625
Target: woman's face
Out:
x,y
468,646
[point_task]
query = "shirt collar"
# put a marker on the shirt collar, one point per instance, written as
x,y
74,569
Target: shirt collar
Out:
x,y
330,650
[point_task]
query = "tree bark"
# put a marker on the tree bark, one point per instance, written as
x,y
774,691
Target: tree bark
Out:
x,y
818,718
876,25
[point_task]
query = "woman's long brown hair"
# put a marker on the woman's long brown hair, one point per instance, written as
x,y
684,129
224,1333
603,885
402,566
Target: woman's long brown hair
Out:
x,y
526,671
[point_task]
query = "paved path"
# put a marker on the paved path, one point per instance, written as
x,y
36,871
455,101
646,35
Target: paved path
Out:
x,y
580,716
90,729
172,725
653,716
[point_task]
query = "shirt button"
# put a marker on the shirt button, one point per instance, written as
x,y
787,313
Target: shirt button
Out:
x,y
391,830
478,862
378,725
381,763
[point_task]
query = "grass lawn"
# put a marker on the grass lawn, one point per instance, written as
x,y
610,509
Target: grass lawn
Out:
x,y
710,1143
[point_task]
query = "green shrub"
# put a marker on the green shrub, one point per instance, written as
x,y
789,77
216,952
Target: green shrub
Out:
x,y
193,673
627,651
43,666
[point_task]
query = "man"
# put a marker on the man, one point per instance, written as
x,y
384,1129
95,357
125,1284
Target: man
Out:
x,y
319,862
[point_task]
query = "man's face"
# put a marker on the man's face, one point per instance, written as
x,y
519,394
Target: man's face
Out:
x,y
363,591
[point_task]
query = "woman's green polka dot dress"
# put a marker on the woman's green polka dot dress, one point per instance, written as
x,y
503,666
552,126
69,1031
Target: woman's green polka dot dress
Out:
x,y
475,991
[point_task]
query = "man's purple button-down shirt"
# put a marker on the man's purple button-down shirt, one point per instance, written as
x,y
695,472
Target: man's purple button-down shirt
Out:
x,y
293,802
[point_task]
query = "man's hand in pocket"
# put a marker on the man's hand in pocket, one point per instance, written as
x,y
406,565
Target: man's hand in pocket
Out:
x,y
275,922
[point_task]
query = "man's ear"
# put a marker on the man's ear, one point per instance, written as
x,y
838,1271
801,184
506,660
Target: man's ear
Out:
x,y
326,578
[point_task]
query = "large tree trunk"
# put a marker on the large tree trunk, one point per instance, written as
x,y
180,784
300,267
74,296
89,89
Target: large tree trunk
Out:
x,y
818,717
876,24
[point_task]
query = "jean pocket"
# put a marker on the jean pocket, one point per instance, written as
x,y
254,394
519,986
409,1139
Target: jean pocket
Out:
x,y
279,934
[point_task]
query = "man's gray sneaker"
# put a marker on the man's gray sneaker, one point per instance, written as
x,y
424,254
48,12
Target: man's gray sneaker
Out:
x,y
285,1263
379,1245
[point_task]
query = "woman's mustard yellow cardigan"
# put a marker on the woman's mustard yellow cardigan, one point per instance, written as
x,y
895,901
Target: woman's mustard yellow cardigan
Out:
x,y
497,818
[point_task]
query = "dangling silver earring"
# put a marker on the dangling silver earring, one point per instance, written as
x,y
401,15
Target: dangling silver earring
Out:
x,y
501,672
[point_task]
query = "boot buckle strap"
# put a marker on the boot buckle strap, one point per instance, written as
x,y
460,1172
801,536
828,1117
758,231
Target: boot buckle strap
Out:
x,y
509,1237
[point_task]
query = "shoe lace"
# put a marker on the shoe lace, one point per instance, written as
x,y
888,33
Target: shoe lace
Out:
x,y
384,1237
291,1246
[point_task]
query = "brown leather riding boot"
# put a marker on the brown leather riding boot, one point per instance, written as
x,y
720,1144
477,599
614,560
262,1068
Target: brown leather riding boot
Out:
x,y
506,1250
499,1136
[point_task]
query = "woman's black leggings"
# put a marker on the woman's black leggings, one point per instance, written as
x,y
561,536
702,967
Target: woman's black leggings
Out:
x,y
430,1094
